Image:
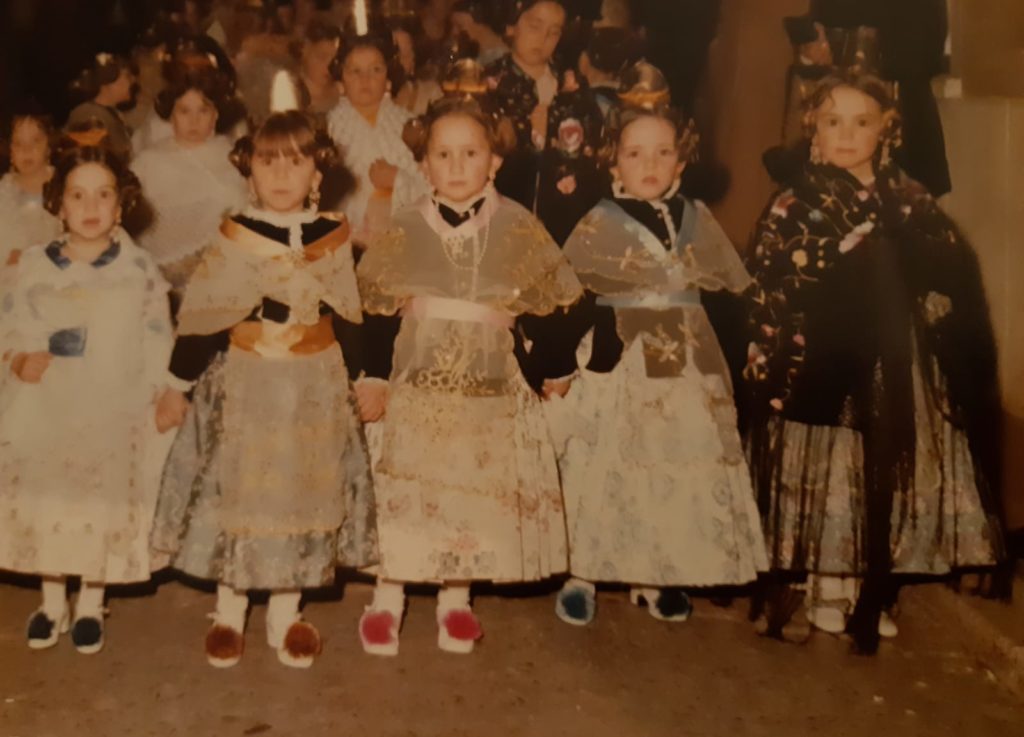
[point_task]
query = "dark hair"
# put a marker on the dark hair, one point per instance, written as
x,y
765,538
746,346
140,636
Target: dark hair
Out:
x,y
500,133
105,69
213,86
379,39
191,54
294,132
43,121
522,6
136,213
610,50
875,88
687,138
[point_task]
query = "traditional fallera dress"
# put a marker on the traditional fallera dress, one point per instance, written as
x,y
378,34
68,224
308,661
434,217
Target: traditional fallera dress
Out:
x,y
656,487
268,486
363,143
192,190
80,455
467,484
873,442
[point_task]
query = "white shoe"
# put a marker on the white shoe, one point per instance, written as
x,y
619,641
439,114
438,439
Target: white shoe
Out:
x,y
827,619
43,632
458,630
887,626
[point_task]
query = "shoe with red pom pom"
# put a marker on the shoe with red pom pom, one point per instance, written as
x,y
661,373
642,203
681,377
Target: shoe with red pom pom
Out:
x,y
458,630
378,631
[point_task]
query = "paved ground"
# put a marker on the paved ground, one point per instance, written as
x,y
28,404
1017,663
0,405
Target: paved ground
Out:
x,y
627,675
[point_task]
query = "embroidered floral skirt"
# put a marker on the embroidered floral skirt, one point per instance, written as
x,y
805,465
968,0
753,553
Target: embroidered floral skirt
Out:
x,y
656,488
467,488
268,484
79,472
815,518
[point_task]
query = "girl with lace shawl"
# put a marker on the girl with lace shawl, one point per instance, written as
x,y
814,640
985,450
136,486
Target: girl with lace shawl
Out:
x,y
85,338
189,177
467,483
873,441
25,221
656,487
268,485
368,125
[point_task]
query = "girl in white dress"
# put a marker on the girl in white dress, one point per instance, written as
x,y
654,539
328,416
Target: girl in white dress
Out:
x,y
25,221
656,488
85,337
189,177
368,125
467,483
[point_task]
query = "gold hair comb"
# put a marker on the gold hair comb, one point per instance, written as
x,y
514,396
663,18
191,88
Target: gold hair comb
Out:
x,y
90,138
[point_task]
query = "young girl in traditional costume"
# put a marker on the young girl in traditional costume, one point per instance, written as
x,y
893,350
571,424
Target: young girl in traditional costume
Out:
x,y
25,221
874,450
467,483
189,177
85,336
268,486
368,125
656,487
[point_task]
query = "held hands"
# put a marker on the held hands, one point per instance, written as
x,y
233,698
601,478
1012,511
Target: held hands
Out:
x,y
553,387
30,367
171,408
372,399
383,174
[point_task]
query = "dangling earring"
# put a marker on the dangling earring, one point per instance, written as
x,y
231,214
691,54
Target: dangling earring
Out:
x,y
886,157
314,200
815,152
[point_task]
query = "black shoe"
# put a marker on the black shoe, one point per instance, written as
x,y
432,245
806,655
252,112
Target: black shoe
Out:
x,y
673,605
43,632
87,634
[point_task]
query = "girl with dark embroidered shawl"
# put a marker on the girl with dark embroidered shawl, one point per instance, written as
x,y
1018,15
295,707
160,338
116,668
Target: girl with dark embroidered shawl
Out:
x,y
872,372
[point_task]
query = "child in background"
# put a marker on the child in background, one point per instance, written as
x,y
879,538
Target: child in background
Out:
x,y
104,90
656,487
25,221
467,483
367,124
85,336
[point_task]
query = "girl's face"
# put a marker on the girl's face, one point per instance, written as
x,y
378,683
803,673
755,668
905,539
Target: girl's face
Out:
x,y
848,129
648,162
194,119
282,180
459,161
537,32
316,61
30,149
92,204
365,77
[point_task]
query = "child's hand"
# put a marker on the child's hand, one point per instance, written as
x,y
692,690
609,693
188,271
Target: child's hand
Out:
x,y
383,174
372,398
171,409
30,367
539,122
552,388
